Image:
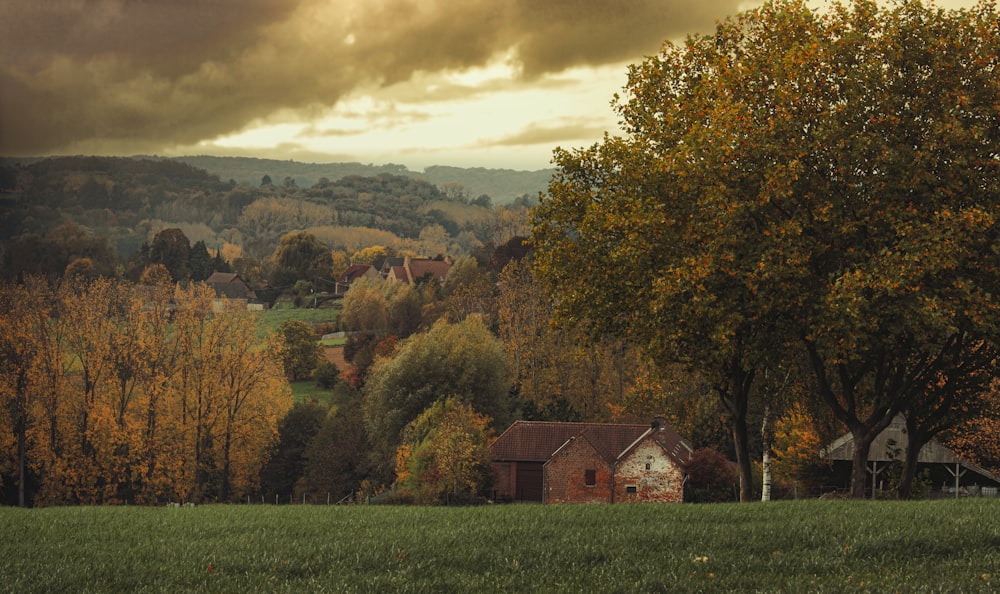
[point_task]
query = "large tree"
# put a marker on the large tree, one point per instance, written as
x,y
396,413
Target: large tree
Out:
x,y
796,182
445,454
172,248
302,352
462,360
300,256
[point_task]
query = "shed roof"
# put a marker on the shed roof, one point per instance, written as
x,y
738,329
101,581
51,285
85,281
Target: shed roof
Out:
x,y
890,445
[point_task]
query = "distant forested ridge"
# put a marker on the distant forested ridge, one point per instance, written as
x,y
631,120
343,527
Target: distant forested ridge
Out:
x,y
502,185
127,201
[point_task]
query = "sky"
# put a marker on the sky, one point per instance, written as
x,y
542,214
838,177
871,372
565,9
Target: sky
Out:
x,y
468,83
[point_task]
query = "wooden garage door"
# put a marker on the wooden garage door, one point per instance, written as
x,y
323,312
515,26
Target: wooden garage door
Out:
x,y
529,481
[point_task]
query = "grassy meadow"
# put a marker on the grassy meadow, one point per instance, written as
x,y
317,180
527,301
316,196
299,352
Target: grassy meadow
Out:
x,y
794,546
271,319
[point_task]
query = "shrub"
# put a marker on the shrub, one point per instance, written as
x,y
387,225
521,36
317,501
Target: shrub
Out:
x,y
711,477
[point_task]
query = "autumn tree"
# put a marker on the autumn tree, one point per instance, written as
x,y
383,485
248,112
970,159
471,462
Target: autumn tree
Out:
x,y
301,351
172,248
978,438
469,289
796,446
92,311
232,393
340,262
710,477
50,429
269,218
796,181
444,456
22,315
156,275
365,317
300,256
81,267
462,360
337,456
287,463
373,255
563,375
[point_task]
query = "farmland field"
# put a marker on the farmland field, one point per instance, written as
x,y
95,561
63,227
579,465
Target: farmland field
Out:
x,y
794,546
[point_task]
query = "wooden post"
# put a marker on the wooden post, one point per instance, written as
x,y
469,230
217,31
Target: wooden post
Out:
x,y
957,473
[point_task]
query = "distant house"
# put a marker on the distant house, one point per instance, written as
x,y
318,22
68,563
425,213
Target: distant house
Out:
x,y
589,462
353,273
411,270
229,285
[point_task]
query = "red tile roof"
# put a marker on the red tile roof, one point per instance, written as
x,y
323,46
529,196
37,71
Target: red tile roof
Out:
x,y
536,441
438,269
353,272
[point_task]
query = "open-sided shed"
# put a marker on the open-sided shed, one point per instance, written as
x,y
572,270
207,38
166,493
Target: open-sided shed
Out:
x,y
954,474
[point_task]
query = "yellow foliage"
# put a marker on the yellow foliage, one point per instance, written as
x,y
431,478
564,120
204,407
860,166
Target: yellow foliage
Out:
x,y
796,443
137,397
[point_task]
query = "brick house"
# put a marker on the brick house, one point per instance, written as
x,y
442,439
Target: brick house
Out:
x,y
589,462
411,270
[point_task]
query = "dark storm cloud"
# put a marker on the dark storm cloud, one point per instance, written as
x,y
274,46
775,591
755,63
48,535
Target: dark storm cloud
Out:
x,y
122,76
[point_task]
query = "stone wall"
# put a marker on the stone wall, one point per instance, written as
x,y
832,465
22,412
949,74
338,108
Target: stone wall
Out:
x,y
648,474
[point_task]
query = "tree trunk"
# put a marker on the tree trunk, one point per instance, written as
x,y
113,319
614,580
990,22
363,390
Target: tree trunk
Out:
x,y
21,455
225,461
741,441
766,435
915,441
909,471
735,399
859,465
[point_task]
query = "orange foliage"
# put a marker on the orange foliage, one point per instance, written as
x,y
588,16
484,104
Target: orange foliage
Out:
x,y
978,440
796,444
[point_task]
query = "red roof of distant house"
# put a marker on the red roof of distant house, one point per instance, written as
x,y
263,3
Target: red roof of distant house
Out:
x,y
411,270
398,273
353,272
438,269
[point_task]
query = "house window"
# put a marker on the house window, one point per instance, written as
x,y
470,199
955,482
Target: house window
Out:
x,y
631,489
648,465
590,477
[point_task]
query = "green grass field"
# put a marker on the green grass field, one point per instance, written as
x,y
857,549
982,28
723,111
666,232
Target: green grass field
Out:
x,y
270,319
795,546
308,390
